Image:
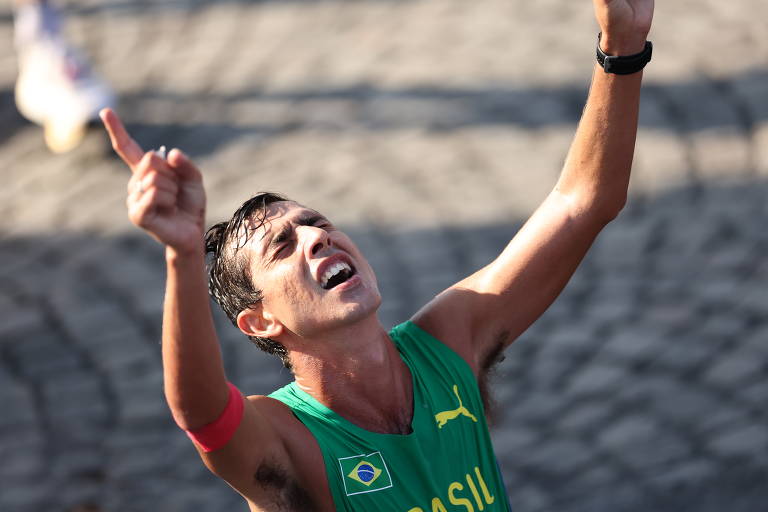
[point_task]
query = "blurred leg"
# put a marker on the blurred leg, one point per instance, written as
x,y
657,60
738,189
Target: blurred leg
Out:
x,y
55,87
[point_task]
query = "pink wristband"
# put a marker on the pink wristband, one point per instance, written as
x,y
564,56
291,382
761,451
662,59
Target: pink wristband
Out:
x,y
218,433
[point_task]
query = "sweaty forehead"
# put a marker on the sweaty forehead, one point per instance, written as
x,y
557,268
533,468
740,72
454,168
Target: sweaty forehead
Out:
x,y
274,212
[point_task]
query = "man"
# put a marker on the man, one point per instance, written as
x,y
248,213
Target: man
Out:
x,y
374,420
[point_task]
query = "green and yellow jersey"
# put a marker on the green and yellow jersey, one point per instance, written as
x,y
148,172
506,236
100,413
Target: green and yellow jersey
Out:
x,y
445,464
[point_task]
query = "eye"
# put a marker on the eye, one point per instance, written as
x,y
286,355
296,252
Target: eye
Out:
x,y
284,247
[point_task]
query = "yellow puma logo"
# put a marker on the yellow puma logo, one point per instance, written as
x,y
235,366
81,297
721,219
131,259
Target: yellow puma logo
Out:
x,y
444,417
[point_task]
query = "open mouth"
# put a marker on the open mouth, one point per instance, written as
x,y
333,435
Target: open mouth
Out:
x,y
337,274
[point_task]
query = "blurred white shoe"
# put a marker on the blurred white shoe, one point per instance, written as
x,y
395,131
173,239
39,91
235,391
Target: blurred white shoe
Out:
x,y
57,89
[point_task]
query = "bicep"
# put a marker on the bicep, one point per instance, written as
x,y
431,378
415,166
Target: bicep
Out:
x,y
503,299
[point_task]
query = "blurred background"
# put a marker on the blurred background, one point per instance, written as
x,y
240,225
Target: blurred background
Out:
x,y
430,130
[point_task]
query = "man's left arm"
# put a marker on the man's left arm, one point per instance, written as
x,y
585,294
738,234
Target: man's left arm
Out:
x,y
491,308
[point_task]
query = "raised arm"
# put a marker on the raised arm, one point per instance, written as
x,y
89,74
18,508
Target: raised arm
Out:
x,y
166,198
491,308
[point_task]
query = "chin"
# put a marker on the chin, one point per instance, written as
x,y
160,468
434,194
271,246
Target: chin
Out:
x,y
354,312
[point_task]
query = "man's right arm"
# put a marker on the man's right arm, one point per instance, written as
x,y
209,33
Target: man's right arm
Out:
x,y
195,382
166,199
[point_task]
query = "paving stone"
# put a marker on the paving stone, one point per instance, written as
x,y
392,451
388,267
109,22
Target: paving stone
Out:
x,y
562,456
721,153
584,416
529,497
548,369
622,245
597,378
151,459
83,462
19,401
608,309
539,407
669,316
24,496
513,439
44,354
575,336
636,343
757,393
25,457
80,497
682,405
660,163
629,430
612,497
76,409
655,453
753,297
100,318
735,368
723,418
118,353
718,290
723,326
743,440
16,319
686,353
687,472
141,398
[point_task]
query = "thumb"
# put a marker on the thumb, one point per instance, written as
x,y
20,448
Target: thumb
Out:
x,y
183,166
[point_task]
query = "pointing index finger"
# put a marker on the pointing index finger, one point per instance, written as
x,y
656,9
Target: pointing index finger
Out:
x,y
123,144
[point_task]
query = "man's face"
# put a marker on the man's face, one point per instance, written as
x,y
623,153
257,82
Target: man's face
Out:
x,y
313,277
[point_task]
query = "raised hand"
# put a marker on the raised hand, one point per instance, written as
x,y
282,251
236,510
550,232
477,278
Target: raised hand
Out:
x,y
166,198
624,23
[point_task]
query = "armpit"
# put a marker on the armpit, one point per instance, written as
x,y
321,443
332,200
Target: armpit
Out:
x,y
280,491
488,366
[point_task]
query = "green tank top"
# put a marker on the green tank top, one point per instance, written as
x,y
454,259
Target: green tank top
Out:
x,y
445,464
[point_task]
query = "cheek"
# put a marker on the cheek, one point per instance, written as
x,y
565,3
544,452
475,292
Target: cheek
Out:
x,y
295,288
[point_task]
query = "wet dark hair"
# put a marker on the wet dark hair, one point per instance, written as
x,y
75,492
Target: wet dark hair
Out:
x,y
230,281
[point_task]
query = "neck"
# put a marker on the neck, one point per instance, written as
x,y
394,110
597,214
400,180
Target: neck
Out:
x,y
357,372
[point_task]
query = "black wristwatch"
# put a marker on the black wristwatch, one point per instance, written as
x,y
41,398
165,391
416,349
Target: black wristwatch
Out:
x,y
624,65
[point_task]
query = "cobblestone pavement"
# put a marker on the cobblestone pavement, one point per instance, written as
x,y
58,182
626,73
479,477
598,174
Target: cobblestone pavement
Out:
x,y
430,129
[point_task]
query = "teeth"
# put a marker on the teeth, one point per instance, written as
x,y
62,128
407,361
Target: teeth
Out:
x,y
333,270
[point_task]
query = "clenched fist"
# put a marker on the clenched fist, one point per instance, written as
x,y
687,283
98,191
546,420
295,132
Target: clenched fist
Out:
x,y
625,25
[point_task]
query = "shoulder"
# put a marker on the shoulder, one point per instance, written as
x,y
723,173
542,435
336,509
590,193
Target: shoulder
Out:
x,y
440,321
279,417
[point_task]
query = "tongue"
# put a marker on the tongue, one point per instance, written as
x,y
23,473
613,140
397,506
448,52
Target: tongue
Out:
x,y
337,279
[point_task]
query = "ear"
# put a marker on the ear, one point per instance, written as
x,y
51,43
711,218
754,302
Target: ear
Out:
x,y
256,321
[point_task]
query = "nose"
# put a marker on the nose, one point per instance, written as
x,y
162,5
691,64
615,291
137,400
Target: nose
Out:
x,y
314,239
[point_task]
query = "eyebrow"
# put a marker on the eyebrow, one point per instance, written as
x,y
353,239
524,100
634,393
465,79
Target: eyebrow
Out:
x,y
308,218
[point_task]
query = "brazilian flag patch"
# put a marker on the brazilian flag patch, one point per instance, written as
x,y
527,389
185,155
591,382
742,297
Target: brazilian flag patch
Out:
x,y
365,473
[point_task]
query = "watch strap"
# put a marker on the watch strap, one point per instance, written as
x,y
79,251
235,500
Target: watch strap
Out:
x,y
624,65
